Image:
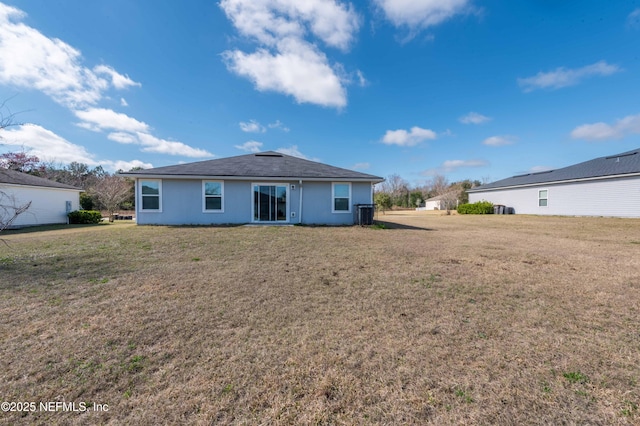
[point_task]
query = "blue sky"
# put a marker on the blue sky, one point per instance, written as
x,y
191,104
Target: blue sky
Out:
x,y
464,88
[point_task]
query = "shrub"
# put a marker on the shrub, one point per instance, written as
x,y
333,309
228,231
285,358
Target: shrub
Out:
x,y
86,201
85,216
481,207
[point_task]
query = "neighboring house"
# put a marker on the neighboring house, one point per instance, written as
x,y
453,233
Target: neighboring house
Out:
x,y
50,201
438,202
262,188
605,186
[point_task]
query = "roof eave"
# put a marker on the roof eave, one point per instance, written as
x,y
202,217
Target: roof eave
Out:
x,y
374,179
555,182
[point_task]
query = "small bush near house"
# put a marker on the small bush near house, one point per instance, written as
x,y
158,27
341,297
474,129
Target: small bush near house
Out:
x,y
481,207
84,216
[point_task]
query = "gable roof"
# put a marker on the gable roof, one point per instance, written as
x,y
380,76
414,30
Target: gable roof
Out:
x,y
13,177
626,163
268,164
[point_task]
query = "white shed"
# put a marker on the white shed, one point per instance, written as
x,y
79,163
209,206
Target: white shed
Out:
x,y
605,186
50,201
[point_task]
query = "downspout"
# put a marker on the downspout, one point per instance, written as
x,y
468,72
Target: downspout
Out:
x,y
300,207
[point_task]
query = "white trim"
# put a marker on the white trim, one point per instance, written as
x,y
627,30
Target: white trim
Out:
x,y
140,196
287,202
204,197
333,197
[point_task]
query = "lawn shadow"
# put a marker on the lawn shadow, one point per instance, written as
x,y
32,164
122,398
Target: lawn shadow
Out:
x,y
394,225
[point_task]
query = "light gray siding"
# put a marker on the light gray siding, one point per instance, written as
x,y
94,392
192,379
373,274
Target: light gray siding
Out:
x,y
182,203
48,205
617,197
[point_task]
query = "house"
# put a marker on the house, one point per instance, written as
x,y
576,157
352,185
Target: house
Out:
x,y
50,201
605,186
439,202
262,188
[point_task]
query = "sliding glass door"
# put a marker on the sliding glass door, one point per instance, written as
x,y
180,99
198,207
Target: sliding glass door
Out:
x,y
269,203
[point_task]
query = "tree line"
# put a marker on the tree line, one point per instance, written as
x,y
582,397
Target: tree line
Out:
x,y
397,192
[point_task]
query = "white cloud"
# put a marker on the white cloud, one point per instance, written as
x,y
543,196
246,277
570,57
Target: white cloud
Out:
x,y
361,166
411,138
500,140
122,137
453,165
563,77
250,146
420,14
278,125
118,80
123,102
287,60
474,118
298,69
602,131
107,119
162,146
52,148
252,126
294,151
633,20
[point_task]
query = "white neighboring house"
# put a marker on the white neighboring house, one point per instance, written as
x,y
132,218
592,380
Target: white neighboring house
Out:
x,y
50,201
439,202
605,186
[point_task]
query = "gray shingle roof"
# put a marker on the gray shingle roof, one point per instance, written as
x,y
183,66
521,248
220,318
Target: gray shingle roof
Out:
x,y
261,165
13,177
612,165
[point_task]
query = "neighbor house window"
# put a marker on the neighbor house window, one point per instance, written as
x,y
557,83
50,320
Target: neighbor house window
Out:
x,y
543,198
341,196
213,192
150,194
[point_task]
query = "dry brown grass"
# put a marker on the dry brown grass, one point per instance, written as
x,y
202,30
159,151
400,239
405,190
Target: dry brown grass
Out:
x,y
440,320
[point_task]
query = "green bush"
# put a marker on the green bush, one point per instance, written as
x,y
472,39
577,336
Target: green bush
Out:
x,y
86,201
481,207
85,216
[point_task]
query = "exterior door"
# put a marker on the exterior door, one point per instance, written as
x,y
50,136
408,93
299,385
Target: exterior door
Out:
x,y
270,203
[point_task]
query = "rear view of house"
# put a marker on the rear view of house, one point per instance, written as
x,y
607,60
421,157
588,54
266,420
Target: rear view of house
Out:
x,y
50,201
605,186
261,188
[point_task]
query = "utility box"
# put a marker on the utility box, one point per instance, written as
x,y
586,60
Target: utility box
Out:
x,y
364,214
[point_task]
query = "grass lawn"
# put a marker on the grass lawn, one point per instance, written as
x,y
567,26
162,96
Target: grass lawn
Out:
x,y
437,319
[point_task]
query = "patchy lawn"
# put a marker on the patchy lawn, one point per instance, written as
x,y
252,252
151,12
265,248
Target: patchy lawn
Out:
x,y
436,319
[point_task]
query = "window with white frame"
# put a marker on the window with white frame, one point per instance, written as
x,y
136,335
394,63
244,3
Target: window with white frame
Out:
x,y
341,197
150,195
543,197
213,193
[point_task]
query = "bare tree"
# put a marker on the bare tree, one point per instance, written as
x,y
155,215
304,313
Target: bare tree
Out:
x,y
111,191
10,209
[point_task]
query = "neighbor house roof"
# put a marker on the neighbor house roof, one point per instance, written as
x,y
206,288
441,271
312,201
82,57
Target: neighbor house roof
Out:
x,y
626,163
12,177
268,164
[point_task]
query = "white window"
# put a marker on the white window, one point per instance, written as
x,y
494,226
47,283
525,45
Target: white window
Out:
x,y
341,198
543,197
213,194
150,195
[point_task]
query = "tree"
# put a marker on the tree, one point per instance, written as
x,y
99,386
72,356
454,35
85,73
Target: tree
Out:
x,y
19,161
383,200
110,191
10,209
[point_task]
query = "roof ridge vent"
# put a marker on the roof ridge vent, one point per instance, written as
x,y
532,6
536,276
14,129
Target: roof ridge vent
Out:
x,y
617,157
268,154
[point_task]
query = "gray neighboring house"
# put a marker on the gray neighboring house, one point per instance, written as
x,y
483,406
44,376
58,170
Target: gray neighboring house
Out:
x,y
605,186
262,188
50,201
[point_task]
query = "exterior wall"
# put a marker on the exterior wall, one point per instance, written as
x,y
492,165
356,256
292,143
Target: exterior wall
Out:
x,y
618,197
433,205
181,203
48,205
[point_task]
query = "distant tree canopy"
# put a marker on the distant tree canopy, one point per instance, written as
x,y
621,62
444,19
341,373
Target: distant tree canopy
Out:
x,y
399,193
103,190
